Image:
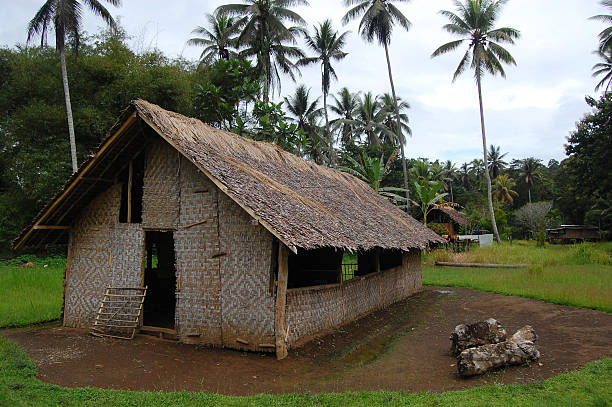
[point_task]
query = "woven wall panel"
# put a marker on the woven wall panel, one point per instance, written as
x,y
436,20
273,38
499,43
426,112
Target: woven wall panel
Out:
x,y
128,255
160,204
310,312
91,248
246,304
198,312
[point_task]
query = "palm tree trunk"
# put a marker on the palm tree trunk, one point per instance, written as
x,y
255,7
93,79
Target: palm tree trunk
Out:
x,y
529,193
484,150
330,139
399,129
62,53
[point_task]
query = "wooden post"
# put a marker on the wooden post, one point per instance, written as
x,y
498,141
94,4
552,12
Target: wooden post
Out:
x,y
129,193
281,301
378,250
67,274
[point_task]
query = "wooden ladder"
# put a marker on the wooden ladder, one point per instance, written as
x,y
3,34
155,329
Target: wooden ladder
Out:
x,y
120,312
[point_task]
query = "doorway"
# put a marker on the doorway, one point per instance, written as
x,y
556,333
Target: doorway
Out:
x,y
160,279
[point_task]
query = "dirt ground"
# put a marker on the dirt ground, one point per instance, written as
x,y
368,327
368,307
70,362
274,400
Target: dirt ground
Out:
x,y
402,348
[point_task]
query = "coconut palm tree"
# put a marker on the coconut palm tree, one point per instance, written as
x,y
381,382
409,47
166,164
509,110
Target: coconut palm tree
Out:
x,y
369,120
387,102
474,23
378,18
266,36
327,45
605,37
345,105
220,40
503,189
496,162
426,196
450,173
371,169
421,170
65,15
604,69
530,170
302,108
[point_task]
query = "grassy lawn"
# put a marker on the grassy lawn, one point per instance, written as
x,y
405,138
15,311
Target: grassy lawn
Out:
x,y
577,275
591,386
29,295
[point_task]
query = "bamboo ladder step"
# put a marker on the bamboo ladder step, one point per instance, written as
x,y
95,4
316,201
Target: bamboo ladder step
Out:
x,y
119,303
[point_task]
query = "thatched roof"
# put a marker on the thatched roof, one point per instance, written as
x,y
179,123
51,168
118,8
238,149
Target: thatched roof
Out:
x,y
458,217
304,204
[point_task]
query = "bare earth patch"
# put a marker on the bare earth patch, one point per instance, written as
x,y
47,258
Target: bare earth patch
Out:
x,y
402,348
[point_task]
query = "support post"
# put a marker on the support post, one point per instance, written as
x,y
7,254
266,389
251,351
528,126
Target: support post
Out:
x,y
281,301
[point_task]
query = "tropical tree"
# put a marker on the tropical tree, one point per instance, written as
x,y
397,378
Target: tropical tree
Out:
x,y
304,110
420,170
388,105
530,170
378,18
604,69
345,105
427,194
371,169
218,42
496,162
369,120
605,37
503,191
66,18
450,173
306,114
327,45
474,22
266,36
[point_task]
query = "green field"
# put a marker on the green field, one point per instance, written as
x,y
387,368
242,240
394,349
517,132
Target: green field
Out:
x,y
591,386
30,295
578,275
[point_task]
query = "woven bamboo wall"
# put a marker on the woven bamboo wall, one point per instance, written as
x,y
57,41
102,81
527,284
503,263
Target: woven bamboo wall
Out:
x,y
313,311
246,303
103,252
198,308
161,191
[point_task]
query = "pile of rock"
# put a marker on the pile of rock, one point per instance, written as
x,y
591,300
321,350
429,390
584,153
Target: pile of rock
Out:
x,y
484,346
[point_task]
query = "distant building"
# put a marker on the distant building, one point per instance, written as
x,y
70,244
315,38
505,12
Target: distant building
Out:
x,y
449,217
573,233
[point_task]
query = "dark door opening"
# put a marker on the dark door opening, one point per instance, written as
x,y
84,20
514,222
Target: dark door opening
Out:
x,y
160,279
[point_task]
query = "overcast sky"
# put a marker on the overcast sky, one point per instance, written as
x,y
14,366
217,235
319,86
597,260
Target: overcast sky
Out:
x,y
530,113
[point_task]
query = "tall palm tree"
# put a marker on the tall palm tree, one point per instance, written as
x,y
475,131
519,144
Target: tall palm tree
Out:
x,y
65,15
503,189
604,69
530,170
420,170
369,120
327,45
219,41
496,162
387,102
377,22
605,37
345,105
371,169
306,113
267,37
474,23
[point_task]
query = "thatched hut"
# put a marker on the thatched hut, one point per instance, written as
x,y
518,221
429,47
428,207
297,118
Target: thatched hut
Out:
x,y
239,242
449,217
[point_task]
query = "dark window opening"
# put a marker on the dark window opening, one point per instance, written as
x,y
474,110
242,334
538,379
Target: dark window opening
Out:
x,y
315,267
390,259
160,279
132,182
367,262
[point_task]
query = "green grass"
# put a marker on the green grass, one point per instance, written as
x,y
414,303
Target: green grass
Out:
x,y
30,295
591,386
578,275
526,252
